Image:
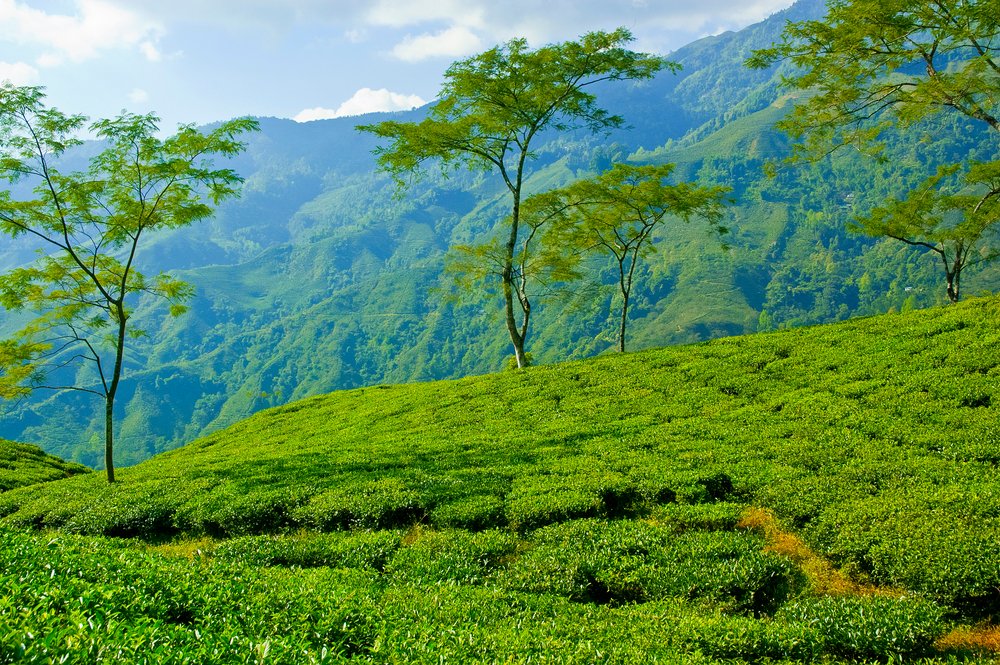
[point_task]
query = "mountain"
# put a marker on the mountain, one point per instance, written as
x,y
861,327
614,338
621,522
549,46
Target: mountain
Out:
x,y
321,277
823,494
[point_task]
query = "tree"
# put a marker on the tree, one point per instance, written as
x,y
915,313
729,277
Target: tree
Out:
x,y
91,226
542,263
871,66
618,212
952,219
492,109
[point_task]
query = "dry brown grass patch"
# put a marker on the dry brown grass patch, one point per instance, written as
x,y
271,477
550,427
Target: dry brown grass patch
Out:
x,y
982,639
823,577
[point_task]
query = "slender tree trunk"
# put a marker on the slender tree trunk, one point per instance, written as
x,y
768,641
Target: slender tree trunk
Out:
x,y
112,391
953,275
507,277
625,285
621,329
109,437
954,285
516,339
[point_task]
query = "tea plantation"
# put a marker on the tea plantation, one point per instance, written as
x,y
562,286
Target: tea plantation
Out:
x,y
22,464
823,495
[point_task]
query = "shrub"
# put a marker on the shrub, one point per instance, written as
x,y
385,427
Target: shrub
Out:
x,y
869,627
364,549
475,513
231,509
452,556
625,562
386,503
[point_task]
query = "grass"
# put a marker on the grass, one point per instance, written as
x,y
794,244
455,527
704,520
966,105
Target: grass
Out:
x,y
822,494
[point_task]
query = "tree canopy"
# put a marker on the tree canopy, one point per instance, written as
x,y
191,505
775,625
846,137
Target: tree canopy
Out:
x,y
872,66
491,110
90,226
955,218
618,212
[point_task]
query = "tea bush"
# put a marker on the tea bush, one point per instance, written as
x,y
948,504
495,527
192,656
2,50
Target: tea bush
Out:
x,y
622,562
869,627
378,504
355,549
585,512
475,513
444,596
22,464
453,557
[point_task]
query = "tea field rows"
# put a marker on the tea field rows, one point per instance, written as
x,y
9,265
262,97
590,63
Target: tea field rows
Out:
x,y
593,511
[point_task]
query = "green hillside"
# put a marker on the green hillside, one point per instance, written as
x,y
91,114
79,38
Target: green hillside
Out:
x,y
616,509
22,464
320,278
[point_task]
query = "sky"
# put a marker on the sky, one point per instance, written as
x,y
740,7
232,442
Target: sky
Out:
x,y
200,61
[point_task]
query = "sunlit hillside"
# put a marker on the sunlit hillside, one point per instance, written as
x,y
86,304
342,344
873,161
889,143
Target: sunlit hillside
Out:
x,y
824,494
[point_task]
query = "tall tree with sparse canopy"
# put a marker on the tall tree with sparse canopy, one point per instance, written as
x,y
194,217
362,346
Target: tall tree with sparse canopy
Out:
x,y
871,66
618,212
90,227
493,107
957,220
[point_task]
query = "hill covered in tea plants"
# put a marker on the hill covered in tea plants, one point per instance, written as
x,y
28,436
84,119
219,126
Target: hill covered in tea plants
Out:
x,y
824,494
22,464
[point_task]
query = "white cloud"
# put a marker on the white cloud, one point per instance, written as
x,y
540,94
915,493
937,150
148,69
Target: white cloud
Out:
x,y
138,96
18,73
96,26
315,113
453,43
149,50
356,35
364,101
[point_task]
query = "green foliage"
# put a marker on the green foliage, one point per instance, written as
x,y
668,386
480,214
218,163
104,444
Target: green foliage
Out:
x,y
453,557
627,562
873,69
445,595
22,464
319,279
874,437
380,504
957,223
96,601
872,627
871,64
91,226
489,116
360,549
474,513
617,213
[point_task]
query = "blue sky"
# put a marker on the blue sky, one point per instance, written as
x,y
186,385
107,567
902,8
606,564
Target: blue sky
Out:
x,y
204,60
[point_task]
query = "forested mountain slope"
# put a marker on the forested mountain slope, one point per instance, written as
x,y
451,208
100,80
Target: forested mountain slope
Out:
x,y
321,278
